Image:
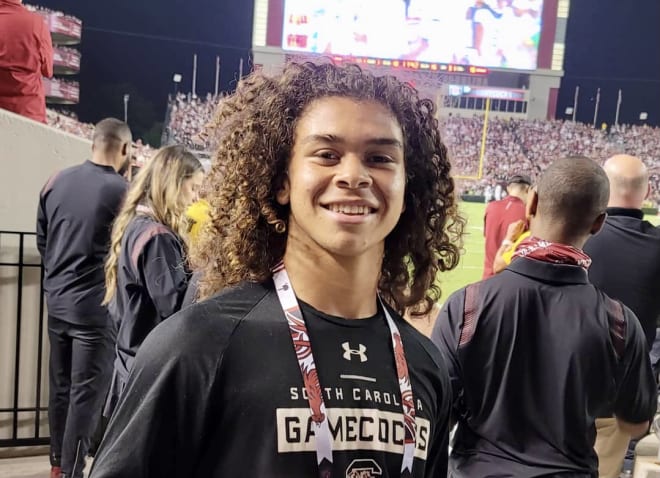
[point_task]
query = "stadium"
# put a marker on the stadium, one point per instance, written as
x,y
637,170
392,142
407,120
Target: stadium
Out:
x,y
494,74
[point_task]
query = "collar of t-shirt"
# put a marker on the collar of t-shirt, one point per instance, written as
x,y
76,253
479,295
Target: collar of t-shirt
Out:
x,y
625,211
106,168
310,313
548,272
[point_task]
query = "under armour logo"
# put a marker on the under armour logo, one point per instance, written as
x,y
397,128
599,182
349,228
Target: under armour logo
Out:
x,y
349,352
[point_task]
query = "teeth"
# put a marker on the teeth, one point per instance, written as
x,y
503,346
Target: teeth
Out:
x,y
349,209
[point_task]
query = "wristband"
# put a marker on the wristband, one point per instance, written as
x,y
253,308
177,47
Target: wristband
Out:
x,y
507,243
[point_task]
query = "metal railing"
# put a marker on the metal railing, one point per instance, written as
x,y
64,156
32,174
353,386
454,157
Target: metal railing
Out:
x,y
34,437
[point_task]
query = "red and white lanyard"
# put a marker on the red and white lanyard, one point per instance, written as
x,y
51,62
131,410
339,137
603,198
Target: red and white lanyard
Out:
x,y
303,348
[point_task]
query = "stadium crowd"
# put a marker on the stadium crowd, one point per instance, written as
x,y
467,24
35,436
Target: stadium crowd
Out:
x,y
512,146
47,11
527,147
68,121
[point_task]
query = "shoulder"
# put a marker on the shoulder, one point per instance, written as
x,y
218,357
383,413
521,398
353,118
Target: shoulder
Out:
x,y
59,177
117,183
205,328
143,233
416,344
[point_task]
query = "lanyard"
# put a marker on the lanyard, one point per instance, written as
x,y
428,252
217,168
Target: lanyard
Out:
x,y
303,348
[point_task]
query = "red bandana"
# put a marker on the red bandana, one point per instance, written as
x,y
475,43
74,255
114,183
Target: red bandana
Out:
x,y
535,248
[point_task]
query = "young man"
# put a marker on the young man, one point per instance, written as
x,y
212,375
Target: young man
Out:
x,y
305,368
499,214
536,353
626,266
76,209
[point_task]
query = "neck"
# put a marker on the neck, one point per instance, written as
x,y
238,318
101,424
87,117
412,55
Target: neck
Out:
x,y
516,194
554,231
342,286
104,160
625,204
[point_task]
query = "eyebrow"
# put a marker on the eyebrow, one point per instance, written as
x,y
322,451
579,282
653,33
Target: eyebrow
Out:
x,y
331,138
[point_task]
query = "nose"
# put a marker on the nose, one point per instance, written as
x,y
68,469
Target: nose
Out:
x,y
353,173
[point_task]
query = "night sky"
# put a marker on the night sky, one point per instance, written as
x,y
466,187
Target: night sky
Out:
x,y
135,47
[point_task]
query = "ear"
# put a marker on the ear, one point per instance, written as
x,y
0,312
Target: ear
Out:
x,y
532,203
124,149
598,223
283,195
648,191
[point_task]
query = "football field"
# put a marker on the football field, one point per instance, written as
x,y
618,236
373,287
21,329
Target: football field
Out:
x,y
470,266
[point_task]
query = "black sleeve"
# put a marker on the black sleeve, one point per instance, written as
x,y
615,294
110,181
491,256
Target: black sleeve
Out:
x,y
446,336
636,399
438,455
160,425
162,271
42,227
191,292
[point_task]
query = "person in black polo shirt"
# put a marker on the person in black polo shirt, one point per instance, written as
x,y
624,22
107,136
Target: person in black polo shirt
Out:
x,y
76,209
536,353
626,266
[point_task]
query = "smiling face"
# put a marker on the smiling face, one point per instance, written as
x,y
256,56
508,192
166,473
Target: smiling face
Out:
x,y
346,177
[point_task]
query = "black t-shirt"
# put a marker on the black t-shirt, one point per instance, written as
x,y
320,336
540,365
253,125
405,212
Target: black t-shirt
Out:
x,y
77,207
626,264
216,391
538,356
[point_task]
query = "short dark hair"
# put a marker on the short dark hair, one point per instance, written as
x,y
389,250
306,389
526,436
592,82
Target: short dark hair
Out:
x,y
573,191
520,179
111,133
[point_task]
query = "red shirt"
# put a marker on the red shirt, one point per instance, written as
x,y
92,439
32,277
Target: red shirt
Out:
x,y
499,214
26,54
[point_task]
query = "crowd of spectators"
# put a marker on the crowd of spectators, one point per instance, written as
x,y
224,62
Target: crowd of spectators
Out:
x,y
528,146
47,11
513,146
187,117
67,121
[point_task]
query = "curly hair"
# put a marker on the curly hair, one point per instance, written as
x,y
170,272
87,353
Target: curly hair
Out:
x,y
254,129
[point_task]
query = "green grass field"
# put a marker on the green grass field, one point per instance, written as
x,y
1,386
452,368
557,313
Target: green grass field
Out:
x,y
470,267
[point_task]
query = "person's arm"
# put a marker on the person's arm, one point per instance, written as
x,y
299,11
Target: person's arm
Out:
x,y
162,270
46,51
161,422
506,249
42,228
636,399
446,336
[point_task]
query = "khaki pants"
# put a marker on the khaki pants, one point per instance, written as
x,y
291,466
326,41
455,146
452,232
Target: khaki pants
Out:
x,y
611,445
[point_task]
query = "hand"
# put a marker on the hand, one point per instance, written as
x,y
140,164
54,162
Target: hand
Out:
x,y
514,230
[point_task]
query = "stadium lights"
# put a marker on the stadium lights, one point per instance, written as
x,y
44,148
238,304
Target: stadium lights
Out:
x,y
176,79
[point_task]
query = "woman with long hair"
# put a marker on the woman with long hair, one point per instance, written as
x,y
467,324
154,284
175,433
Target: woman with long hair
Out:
x,y
146,272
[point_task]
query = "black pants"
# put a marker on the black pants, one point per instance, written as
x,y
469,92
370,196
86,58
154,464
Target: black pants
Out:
x,y
81,359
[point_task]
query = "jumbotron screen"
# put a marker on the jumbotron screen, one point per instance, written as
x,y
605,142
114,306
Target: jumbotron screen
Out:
x,y
490,33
